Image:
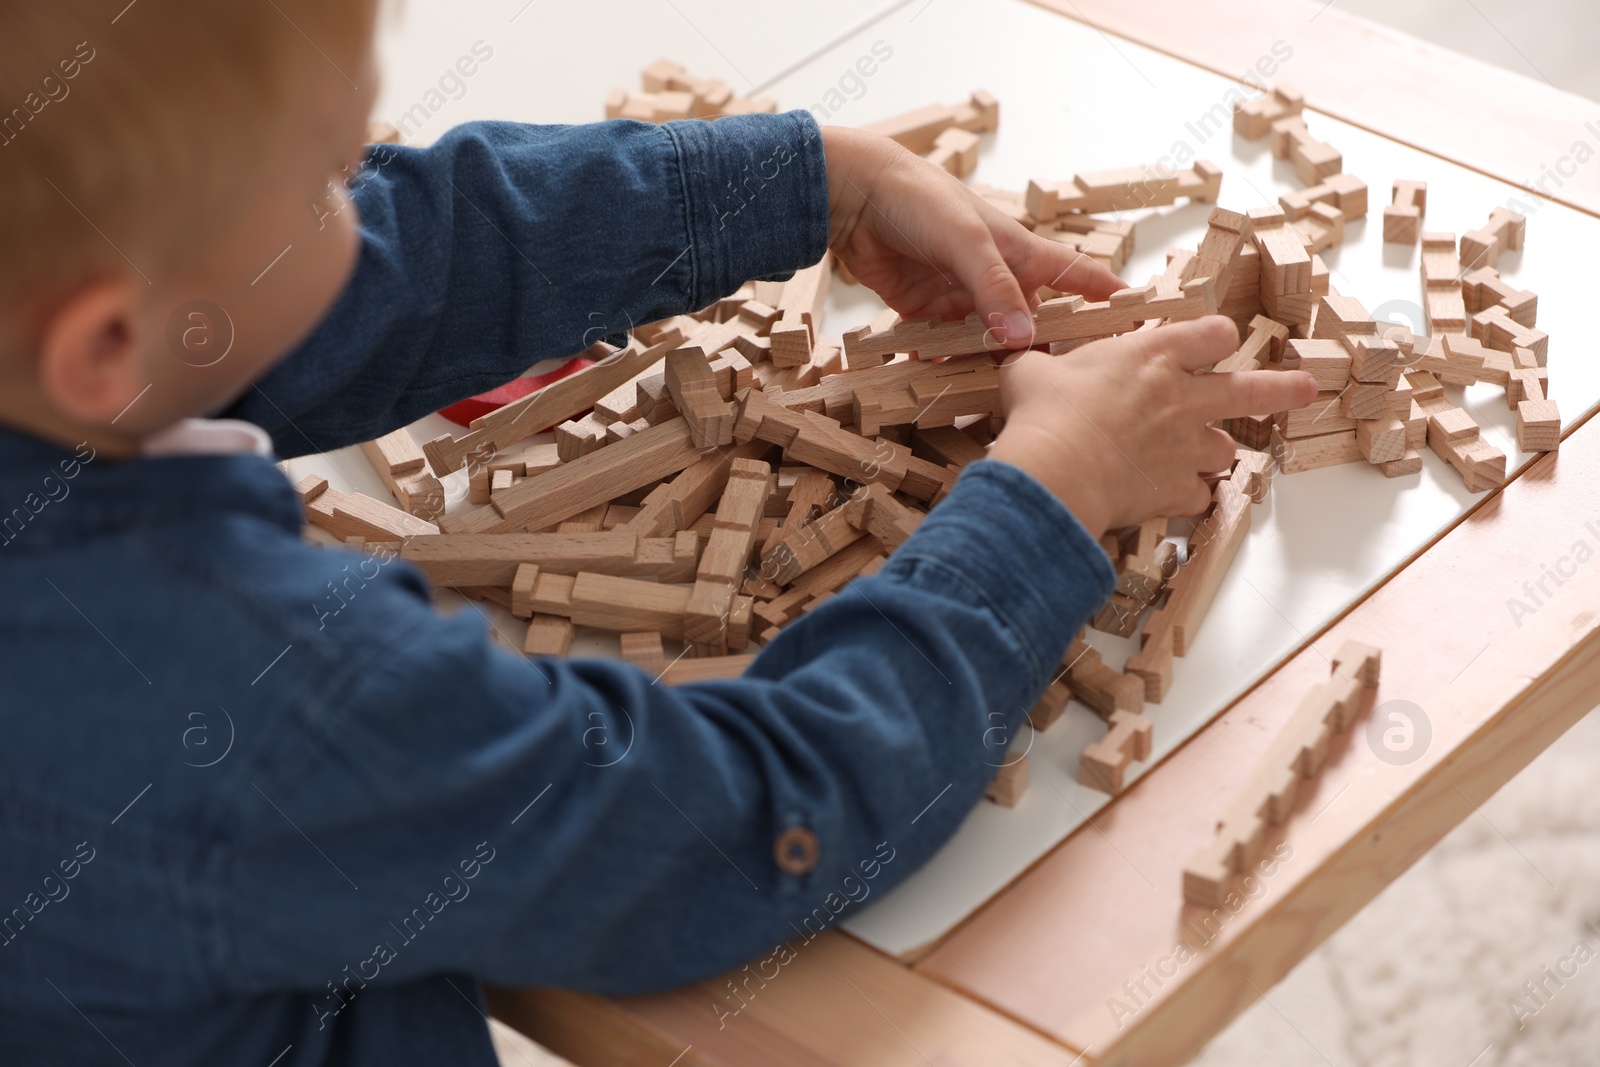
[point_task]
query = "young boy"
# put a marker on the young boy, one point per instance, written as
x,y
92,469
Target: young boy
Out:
x,y
235,829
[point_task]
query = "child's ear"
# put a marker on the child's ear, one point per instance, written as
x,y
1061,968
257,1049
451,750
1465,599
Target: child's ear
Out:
x,y
90,364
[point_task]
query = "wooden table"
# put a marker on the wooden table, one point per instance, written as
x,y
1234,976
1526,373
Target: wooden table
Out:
x,y
1091,957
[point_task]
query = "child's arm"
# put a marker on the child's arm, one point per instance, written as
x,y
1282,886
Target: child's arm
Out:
x,y
505,244
635,831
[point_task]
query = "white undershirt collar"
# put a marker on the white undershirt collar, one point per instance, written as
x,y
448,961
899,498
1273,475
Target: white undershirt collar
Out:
x,y
219,437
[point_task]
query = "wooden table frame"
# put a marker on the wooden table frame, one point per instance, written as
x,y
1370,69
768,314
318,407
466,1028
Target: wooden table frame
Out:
x,y
1089,957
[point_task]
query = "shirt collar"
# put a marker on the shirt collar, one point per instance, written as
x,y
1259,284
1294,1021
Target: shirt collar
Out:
x,y
209,437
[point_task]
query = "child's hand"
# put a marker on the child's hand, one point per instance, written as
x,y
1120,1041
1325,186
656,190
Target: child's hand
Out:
x,y
930,247
1121,429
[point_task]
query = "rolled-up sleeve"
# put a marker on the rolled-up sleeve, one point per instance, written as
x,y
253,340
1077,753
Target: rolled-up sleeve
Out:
x,y
504,244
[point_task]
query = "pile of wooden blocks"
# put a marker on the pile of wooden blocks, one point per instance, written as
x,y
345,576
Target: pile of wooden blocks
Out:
x,y
728,471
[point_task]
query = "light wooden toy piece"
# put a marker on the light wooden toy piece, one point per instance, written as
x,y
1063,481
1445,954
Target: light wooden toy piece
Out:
x,y
1483,288
1253,119
727,553
1441,282
644,651
1103,688
1068,319
597,478
1287,286
1297,753
1402,219
493,559
1105,241
803,548
919,130
1504,232
1322,227
1010,782
1344,192
416,489
693,389
1104,191
1050,706
874,510
955,151
558,401
819,441
548,635
1495,327
1226,233
1314,161
1103,764
711,96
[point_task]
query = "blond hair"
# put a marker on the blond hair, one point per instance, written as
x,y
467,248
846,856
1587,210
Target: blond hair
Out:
x,y
126,131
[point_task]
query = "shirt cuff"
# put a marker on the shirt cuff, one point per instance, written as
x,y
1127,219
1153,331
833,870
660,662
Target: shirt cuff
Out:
x,y
1015,546
756,194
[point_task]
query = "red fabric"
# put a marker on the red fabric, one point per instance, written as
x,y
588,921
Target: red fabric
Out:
x,y
462,412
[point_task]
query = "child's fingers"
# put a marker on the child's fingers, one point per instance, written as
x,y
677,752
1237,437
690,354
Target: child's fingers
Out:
x,y
1259,392
996,293
1043,262
1193,345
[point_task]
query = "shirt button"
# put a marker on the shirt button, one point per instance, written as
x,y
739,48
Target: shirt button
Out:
x,y
796,850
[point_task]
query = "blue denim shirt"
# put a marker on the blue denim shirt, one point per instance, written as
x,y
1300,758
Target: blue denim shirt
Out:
x,y
258,799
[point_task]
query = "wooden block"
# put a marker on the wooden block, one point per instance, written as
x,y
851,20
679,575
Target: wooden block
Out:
x,y
594,479
396,452
1322,226
1212,548
874,510
1402,219
1103,764
1504,232
626,605
1321,416
1344,192
1538,426
919,130
548,635
693,389
1101,192
556,402
1381,440
1066,319
644,650
415,488
493,559
362,515
1366,400
1119,615
726,559
1253,119
1481,466
1285,263
1010,782
1313,453
1313,160
1326,361
1051,704
524,582
1267,796
956,151
1483,288
1410,463
1441,267
804,548
1495,327
1103,688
